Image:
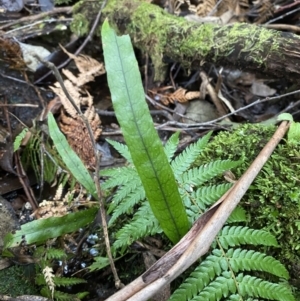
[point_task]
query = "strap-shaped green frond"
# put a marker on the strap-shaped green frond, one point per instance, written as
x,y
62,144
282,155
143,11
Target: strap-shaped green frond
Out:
x,y
241,260
184,161
255,287
143,223
238,235
141,137
171,146
122,149
199,175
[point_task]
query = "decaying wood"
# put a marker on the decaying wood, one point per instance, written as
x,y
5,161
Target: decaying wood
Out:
x,y
198,240
244,46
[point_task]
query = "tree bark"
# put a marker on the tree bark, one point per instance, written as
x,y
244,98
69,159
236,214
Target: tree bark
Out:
x,y
165,36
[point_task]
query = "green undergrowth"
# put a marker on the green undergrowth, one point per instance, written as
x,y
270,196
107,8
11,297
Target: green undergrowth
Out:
x,y
272,202
145,199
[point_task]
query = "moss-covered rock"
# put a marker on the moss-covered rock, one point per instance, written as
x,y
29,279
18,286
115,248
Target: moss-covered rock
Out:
x,y
273,200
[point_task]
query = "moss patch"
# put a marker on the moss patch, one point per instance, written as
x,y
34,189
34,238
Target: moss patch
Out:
x,y
273,200
14,281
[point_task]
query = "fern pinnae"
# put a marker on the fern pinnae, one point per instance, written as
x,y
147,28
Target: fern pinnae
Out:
x,y
67,281
199,278
199,175
184,160
127,204
207,195
122,149
247,260
255,287
171,146
123,192
237,216
222,286
53,253
143,223
118,176
238,235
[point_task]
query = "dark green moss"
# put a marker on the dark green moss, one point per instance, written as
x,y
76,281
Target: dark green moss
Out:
x,y
15,281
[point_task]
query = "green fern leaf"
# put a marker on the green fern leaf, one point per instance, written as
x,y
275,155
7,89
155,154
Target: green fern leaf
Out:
x,y
183,161
122,149
100,263
255,287
118,176
237,235
64,281
222,286
199,278
19,138
238,215
171,146
124,192
52,253
199,175
143,223
128,203
208,195
58,296
248,260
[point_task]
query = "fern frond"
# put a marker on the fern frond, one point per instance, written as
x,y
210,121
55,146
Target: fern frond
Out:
x,y
237,235
122,149
238,215
209,275
60,296
128,203
64,281
118,176
222,286
208,195
100,263
53,253
143,223
255,287
171,146
19,138
183,161
199,278
199,175
124,191
241,260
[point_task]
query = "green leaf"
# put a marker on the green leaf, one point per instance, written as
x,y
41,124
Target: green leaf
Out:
x,y
43,229
140,135
100,263
19,138
70,158
294,133
285,116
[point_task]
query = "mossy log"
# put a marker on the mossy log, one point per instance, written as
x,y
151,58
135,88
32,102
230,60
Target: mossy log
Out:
x,y
162,35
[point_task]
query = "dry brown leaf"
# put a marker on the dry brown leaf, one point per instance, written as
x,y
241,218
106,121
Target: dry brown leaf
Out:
x,y
180,95
70,122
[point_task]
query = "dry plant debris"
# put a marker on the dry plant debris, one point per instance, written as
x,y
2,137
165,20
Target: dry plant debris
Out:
x,y
70,122
261,10
181,95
